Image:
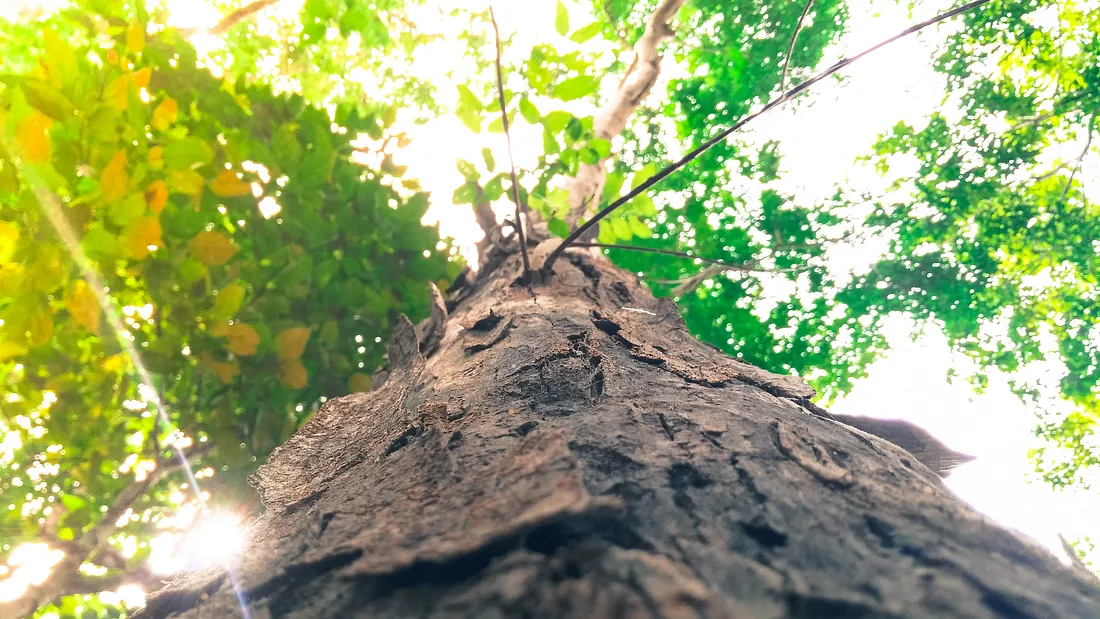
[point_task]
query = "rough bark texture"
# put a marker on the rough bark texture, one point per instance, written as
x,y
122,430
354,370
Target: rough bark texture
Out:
x,y
571,451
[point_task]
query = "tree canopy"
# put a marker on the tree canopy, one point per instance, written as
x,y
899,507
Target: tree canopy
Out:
x,y
235,210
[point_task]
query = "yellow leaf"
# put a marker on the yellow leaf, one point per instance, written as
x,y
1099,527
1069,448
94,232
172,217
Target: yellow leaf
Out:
x,y
9,239
34,138
229,301
135,37
46,270
142,234
156,196
40,328
165,114
228,185
12,276
185,181
227,371
141,77
219,329
156,157
83,305
114,363
291,343
293,374
117,94
242,339
359,383
114,183
212,248
60,60
11,349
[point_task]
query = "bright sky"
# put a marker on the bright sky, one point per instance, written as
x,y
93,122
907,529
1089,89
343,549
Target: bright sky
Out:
x,y
820,142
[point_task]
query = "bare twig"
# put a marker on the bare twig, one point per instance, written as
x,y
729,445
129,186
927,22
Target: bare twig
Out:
x,y
1080,159
790,94
790,48
747,267
508,142
240,15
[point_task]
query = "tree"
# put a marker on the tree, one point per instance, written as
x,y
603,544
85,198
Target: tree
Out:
x,y
553,442
209,238
730,61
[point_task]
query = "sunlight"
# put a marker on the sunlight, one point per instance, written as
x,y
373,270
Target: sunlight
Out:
x,y
215,540
31,563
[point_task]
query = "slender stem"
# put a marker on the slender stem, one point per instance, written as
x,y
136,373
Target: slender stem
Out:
x,y
790,94
790,48
747,267
240,14
508,141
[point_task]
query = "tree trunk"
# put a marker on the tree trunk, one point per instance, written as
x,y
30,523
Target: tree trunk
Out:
x,y
570,450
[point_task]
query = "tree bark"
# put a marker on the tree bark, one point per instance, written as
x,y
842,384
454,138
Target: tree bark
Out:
x,y
570,450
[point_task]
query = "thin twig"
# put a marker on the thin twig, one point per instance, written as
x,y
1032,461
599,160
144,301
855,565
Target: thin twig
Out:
x,y
1080,158
790,94
747,267
240,15
790,48
508,141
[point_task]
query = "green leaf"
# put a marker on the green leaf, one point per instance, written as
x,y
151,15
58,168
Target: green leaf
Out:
x,y
467,169
643,205
556,121
561,19
490,163
643,175
602,147
468,100
187,153
589,155
585,33
621,228
558,228
98,244
127,210
494,189
528,110
613,186
471,119
576,87
639,228
466,194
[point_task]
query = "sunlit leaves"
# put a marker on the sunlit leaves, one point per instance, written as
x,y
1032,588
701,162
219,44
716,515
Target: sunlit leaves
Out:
x,y
156,196
228,184
83,305
9,239
291,343
135,37
293,374
114,182
242,339
165,114
212,248
142,237
229,301
33,136
186,153
561,19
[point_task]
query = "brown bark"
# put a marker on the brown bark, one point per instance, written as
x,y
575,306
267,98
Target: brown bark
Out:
x,y
570,450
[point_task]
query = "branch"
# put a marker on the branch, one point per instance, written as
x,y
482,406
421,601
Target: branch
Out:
x,y
611,119
240,15
65,577
1080,158
748,267
508,141
790,48
790,94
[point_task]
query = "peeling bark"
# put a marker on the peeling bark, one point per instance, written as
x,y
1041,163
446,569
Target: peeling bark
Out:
x,y
570,450
587,186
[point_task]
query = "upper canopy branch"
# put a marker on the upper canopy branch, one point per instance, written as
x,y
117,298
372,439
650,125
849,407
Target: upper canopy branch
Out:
x,y
612,117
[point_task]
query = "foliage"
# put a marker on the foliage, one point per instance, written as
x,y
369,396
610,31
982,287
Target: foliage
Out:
x,y
256,261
